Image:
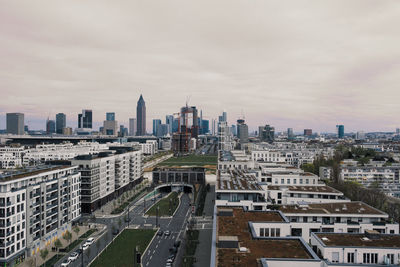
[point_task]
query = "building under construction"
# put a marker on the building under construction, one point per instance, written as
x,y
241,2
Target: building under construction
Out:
x,y
188,131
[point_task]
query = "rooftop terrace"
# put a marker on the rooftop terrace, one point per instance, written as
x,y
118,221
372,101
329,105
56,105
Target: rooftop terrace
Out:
x,y
355,207
316,189
30,172
359,240
237,180
237,225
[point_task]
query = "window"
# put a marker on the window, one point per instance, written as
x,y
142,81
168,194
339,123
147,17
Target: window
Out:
x,y
272,232
350,257
391,258
282,181
261,231
301,181
278,232
370,258
305,219
288,181
295,181
266,231
335,256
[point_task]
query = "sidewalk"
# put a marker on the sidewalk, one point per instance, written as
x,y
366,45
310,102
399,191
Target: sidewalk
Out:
x,y
203,251
40,261
110,206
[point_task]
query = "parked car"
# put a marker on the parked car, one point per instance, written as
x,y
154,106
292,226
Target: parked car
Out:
x,y
167,233
65,263
115,231
78,251
89,241
85,247
73,256
177,243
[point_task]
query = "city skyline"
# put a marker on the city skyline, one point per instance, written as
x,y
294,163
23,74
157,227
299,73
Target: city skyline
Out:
x,y
287,65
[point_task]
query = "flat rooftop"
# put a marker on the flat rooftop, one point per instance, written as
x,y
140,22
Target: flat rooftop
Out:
x,y
237,225
359,240
237,180
316,189
30,172
355,207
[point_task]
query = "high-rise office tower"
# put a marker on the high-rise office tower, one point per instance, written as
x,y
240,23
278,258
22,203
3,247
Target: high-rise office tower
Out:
x,y
141,117
110,125
307,132
110,116
50,126
242,131
85,119
205,126
340,131
290,134
132,126
15,123
223,117
156,124
233,130
266,133
169,120
61,122
189,121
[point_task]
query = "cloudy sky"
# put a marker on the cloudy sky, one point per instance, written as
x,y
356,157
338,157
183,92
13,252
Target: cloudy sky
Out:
x,y
299,64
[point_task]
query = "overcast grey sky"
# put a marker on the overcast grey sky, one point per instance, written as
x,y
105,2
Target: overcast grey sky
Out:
x,y
300,64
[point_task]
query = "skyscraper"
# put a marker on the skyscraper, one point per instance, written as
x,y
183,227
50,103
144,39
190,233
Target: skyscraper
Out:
x,y
340,131
290,134
242,131
141,117
169,120
50,126
156,124
307,132
132,126
15,123
110,116
266,133
85,119
110,125
61,122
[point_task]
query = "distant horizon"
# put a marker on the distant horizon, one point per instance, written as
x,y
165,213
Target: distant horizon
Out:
x,y
298,64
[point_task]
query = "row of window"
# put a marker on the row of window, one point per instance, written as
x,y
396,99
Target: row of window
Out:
x,y
270,232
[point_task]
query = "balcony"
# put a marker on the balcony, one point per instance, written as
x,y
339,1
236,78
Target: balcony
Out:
x,y
49,214
352,223
51,197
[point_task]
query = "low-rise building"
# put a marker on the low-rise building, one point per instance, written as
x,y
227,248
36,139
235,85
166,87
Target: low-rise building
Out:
x,y
353,249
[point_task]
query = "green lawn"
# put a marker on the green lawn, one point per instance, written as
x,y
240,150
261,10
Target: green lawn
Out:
x,y
120,253
191,160
164,205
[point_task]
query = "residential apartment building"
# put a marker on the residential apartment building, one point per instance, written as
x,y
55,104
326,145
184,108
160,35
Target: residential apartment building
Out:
x,y
36,208
352,249
107,175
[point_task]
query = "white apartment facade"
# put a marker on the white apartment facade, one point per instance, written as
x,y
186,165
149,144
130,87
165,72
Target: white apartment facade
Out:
x,y
367,249
36,208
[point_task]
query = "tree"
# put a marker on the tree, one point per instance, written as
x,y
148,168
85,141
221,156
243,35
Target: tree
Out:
x,y
68,236
43,254
58,245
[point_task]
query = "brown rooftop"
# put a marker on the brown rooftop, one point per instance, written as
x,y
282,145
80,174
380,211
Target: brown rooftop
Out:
x,y
360,240
237,225
355,207
318,189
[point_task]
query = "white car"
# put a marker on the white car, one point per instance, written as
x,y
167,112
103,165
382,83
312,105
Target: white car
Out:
x,y
85,247
89,241
65,263
73,256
